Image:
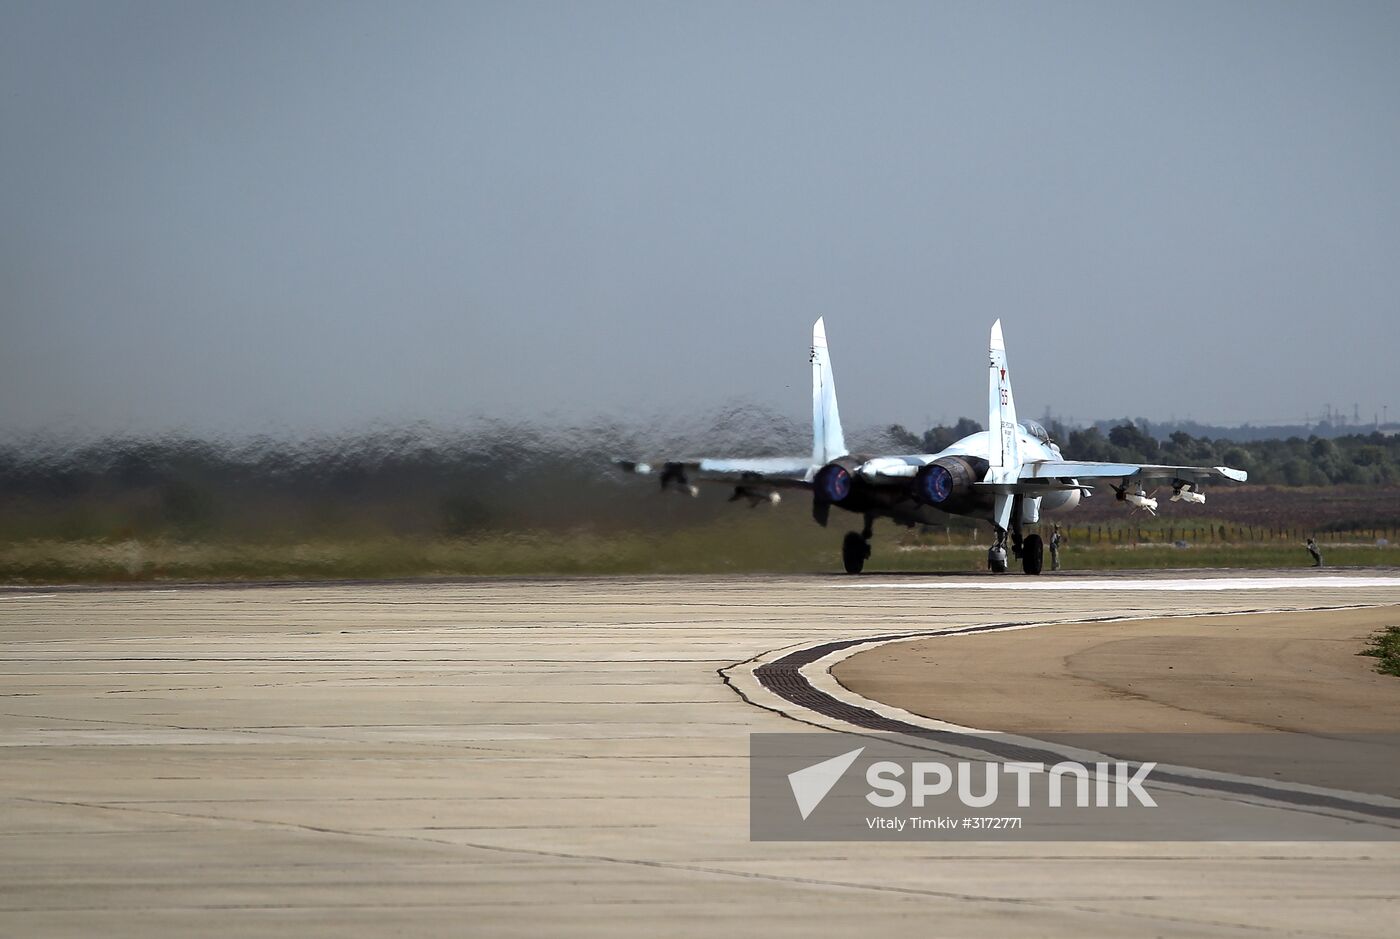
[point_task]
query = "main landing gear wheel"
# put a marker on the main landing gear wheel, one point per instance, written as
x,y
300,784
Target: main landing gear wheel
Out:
x,y
1032,554
854,551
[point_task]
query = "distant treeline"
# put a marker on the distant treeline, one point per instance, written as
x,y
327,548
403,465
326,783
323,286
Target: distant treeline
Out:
x,y
1369,458
1246,433
424,482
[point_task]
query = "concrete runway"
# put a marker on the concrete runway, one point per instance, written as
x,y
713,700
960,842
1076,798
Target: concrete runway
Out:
x,y
549,757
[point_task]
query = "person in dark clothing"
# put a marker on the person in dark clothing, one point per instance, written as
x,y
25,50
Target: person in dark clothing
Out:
x,y
1055,549
1315,552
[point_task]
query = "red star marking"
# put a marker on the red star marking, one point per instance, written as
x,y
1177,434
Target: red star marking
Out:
x,y
1003,374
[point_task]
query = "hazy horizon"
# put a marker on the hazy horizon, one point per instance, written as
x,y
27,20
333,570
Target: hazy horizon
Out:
x,y
314,218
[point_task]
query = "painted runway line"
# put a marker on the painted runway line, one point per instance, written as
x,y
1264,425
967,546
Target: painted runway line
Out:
x,y
1205,583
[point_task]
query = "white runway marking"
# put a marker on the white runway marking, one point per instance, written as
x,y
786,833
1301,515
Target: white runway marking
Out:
x,y
1204,583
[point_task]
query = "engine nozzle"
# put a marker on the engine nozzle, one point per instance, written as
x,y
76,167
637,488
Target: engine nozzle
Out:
x,y
832,484
947,480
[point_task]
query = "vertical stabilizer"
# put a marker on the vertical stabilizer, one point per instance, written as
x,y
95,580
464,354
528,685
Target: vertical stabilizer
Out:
x,y
828,442
1004,445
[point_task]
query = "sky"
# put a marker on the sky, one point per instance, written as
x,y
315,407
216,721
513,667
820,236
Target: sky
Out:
x,y
309,217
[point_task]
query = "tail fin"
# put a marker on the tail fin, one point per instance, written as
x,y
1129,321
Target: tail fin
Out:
x,y
1005,448
828,442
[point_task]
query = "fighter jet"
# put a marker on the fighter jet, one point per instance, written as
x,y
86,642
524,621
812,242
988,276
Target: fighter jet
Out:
x,y
1010,474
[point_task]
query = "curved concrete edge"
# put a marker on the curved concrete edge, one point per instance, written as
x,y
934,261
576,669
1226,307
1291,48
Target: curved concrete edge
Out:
x,y
817,675
742,678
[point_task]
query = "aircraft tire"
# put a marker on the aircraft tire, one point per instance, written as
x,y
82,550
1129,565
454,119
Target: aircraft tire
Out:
x,y
854,551
1033,554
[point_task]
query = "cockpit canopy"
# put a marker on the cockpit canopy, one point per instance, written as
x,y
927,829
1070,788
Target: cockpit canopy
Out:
x,y
1035,429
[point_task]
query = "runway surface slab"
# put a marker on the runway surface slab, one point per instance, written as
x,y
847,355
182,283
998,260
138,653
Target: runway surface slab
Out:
x,y
546,757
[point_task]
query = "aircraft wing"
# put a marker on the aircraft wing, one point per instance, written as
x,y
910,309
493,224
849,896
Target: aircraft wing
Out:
x,y
1141,472
771,472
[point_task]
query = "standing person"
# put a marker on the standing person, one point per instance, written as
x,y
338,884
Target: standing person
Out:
x,y
1315,552
1055,549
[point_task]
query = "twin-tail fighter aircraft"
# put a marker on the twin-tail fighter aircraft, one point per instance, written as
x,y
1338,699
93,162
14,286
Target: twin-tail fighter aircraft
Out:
x,y
1010,474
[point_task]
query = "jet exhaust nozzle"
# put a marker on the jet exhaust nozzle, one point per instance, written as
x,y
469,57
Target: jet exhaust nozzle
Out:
x,y
947,480
832,484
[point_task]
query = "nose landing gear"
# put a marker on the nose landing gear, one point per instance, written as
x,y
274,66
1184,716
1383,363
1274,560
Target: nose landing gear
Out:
x,y
996,554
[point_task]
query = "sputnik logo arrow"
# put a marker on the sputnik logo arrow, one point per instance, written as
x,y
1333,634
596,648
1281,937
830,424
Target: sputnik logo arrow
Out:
x,y
811,785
